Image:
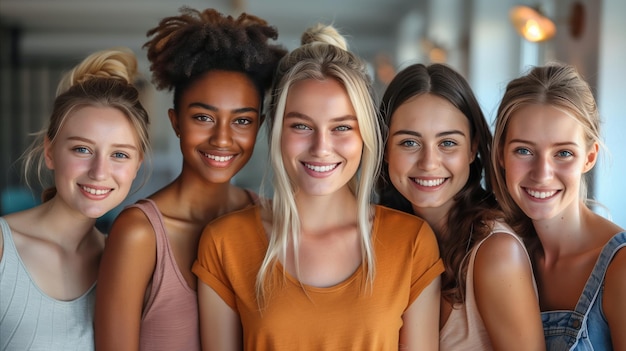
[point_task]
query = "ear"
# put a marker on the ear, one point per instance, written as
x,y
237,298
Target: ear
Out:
x,y
174,121
47,153
592,157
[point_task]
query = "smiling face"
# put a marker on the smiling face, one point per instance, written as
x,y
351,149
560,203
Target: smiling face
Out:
x,y
218,121
544,157
321,144
429,152
95,157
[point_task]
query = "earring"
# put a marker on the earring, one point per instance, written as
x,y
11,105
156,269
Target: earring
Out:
x,y
178,135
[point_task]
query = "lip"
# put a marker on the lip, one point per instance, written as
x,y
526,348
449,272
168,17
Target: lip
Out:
x,y
95,192
429,183
319,169
218,159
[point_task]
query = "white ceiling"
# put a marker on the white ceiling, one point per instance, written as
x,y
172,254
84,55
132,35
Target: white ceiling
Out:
x,y
61,27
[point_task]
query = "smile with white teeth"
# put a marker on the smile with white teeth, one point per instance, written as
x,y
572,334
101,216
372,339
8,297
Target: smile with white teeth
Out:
x,y
95,191
540,194
429,182
321,169
219,158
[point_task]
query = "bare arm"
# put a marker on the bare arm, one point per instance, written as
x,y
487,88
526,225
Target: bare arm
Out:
x,y
125,271
505,295
220,326
614,301
420,329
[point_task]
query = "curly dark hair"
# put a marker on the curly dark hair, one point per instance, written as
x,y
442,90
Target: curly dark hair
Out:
x,y
475,205
185,47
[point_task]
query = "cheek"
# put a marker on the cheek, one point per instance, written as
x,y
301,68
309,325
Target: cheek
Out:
x,y
513,171
247,140
352,148
126,173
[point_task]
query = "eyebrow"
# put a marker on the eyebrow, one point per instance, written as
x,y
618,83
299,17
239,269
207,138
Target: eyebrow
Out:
x,y
88,141
522,141
419,135
215,109
336,119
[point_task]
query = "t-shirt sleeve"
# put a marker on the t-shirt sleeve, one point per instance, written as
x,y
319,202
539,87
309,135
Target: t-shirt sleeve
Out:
x,y
209,267
427,263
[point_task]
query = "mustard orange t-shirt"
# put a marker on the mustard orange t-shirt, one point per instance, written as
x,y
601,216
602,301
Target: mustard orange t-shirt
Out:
x,y
342,317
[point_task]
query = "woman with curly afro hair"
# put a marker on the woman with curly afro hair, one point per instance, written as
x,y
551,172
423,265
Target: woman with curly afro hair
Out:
x,y
219,69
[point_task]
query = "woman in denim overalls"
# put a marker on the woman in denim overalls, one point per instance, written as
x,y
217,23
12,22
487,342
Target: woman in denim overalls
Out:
x,y
546,139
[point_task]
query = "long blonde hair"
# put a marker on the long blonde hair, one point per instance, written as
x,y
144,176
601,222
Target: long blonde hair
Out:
x,y
323,54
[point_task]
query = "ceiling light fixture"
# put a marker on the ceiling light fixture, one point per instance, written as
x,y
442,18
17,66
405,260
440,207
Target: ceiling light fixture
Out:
x,y
531,24
534,26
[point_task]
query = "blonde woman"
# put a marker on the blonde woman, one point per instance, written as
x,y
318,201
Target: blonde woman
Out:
x,y
49,255
319,267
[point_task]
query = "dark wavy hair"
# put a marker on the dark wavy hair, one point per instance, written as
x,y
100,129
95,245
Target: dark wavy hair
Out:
x,y
185,47
475,205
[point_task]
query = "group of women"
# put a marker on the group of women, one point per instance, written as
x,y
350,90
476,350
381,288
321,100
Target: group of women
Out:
x,y
404,226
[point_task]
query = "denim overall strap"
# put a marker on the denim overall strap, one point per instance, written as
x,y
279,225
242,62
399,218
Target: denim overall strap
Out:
x,y
596,279
593,289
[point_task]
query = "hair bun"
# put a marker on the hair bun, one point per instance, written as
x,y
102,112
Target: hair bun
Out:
x,y
118,63
323,33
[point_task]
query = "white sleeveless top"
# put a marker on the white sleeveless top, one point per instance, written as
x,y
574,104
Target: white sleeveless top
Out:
x,y
465,330
32,320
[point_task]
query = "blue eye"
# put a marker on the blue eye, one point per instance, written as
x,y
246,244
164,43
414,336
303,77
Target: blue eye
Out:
x,y
522,151
120,155
343,128
409,143
564,154
81,150
300,126
448,143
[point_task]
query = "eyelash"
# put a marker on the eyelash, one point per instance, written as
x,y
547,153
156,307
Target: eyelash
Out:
x,y
526,152
203,118
243,121
81,150
448,143
409,143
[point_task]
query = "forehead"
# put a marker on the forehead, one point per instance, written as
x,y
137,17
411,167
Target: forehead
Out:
x,y
541,122
227,87
101,124
428,112
326,98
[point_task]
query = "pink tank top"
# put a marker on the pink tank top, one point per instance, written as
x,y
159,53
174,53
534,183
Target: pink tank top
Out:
x,y
170,317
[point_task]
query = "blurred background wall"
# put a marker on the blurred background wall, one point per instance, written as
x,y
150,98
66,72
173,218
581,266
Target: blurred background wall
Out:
x,y
41,39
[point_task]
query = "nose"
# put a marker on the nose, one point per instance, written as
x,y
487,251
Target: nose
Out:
x,y
321,145
99,169
543,169
429,159
220,135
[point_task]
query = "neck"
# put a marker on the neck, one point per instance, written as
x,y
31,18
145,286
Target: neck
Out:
x,y
437,218
203,201
317,212
565,234
62,226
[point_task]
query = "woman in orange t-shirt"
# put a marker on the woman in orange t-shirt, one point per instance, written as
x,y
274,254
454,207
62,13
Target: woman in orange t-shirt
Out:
x,y
319,267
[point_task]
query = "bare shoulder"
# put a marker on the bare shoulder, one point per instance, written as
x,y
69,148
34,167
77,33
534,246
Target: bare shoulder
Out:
x,y
131,228
501,252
